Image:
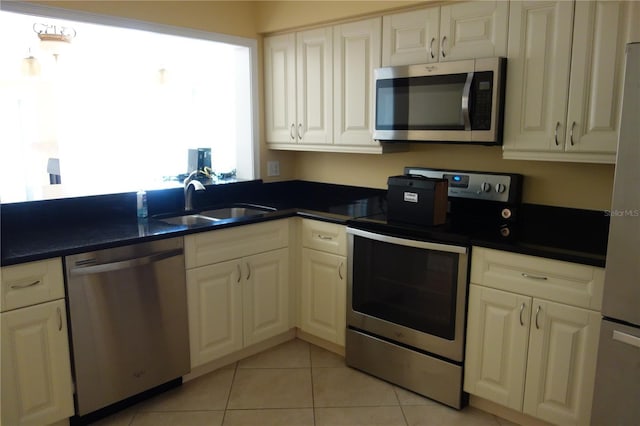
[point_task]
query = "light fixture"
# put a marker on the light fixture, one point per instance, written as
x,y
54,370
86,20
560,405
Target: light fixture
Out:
x,y
54,39
163,76
30,66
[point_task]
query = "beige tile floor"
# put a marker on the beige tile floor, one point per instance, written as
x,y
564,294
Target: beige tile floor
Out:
x,y
294,384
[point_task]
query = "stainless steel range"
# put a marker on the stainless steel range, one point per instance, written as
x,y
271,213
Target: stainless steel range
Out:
x,y
407,285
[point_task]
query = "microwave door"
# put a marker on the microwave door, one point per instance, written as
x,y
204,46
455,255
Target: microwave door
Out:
x,y
428,108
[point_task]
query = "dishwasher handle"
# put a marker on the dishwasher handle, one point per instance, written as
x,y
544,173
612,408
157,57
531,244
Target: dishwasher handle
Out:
x,y
127,263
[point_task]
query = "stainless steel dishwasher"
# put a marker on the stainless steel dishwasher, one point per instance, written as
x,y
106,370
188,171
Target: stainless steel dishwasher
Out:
x,y
128,316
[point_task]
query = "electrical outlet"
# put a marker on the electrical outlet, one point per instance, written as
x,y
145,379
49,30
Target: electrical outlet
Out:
x,y
273,168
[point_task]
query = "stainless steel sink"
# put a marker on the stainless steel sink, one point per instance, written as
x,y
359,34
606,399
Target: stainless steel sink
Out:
x,y
234,212
189,220
208,217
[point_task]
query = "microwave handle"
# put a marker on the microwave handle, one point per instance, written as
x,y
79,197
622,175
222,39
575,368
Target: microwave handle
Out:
x,y
466,91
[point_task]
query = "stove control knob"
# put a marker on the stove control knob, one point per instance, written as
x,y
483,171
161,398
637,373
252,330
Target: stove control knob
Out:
x,y
500,188
486,186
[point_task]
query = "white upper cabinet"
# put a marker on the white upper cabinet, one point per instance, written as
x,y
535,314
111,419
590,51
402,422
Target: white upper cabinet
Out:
x,y
411,37
299,88
565,79
356,55
597,71
280,88
473,30
452,32
319,89
538,75
315,86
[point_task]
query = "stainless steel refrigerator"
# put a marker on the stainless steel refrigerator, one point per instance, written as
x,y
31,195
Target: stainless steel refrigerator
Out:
x,y
617,387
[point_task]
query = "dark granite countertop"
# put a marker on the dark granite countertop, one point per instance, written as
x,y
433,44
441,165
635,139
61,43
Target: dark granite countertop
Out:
x,y
38,230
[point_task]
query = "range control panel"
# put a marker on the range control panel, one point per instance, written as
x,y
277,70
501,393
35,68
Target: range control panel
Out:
x,y
501,187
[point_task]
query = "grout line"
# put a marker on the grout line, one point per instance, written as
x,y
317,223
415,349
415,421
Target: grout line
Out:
x,y
226,405
313,396
404,416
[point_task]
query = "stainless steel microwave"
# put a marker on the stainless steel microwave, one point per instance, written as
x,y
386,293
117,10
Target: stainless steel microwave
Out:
x,y
459,102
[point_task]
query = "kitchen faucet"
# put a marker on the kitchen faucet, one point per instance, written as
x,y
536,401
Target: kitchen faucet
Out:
x,y
190,186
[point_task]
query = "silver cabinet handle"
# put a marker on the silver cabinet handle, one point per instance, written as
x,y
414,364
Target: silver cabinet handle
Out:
x,y
340,270
433,39
293,127
555,133
300,131
538,313
325,237
626,338
534,277
444,54
59,319
571,133
239,273
248,271
521,311
18,286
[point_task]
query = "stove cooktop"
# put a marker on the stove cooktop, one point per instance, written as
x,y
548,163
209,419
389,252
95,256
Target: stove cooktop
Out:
x,y
480,204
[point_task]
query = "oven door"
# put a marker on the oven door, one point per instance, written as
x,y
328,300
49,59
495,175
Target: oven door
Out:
x,y
408,291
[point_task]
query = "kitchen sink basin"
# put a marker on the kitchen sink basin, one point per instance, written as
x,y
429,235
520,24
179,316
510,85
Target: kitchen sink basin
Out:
x,y
207,217
234,212
189,220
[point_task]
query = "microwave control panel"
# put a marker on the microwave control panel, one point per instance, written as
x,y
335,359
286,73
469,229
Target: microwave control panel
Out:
x,y
501,187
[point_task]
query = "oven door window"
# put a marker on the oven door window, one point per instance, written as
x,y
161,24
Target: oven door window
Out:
x,y
420,103
412,287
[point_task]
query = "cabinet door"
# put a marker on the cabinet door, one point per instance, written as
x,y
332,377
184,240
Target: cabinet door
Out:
x,y
496,353
561,363
411,37
214,298
323,295
280,88
314,60
356,54
539,57
266,295
36,372
473,30
597,72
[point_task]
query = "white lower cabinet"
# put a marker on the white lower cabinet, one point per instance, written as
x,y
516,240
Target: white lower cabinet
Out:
x,y
214,297
36,372
527,353
323,295
236,303
266,296
561,364
36,367
323,283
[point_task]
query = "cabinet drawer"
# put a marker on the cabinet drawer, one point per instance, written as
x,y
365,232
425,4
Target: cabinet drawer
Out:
x,y
31,283
231,243
324,236
565,282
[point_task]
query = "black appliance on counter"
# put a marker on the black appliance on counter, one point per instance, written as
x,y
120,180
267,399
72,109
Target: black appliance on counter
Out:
x,y
417,199
407,283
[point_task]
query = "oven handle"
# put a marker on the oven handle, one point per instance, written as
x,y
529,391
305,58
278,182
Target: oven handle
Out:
x,y
408,243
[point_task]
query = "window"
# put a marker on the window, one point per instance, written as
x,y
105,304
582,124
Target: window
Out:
x,y
119,109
